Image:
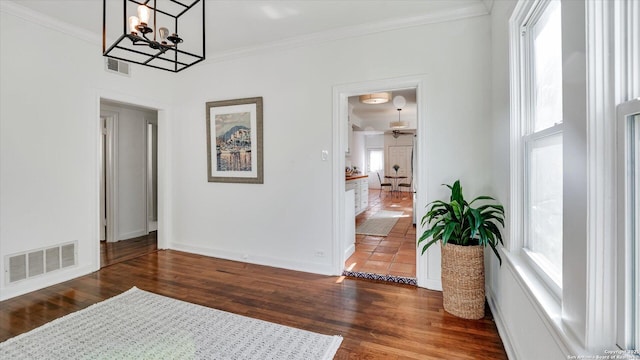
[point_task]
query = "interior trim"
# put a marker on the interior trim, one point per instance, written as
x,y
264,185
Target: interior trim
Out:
x,y
25,13
478,9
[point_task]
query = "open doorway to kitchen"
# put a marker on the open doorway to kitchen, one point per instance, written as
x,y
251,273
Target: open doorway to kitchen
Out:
x,y
128,181
380,174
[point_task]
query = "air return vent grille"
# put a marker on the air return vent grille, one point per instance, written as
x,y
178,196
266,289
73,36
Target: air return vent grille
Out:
x,y
38,262
116,66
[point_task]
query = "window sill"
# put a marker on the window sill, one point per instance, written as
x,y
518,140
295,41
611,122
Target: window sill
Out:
x,y
544,301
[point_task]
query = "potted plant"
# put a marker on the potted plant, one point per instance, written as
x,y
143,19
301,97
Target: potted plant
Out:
x,y
464,232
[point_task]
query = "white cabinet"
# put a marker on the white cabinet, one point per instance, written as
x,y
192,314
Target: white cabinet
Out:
x,y
350,223
360,187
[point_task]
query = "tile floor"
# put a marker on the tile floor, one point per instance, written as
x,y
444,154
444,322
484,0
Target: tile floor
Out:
x,y
394,254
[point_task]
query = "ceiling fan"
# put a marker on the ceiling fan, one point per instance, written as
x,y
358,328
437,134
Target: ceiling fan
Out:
x,y
396,133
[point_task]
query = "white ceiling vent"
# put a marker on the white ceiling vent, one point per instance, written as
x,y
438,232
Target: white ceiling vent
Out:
x,y
116,66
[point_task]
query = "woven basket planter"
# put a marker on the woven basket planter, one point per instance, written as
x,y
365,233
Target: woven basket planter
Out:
x,y
463,280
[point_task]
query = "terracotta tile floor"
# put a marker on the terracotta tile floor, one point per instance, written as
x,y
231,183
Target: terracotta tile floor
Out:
x,y
394,254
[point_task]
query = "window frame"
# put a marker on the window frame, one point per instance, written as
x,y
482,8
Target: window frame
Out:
x,y
628,316
523,135
538,262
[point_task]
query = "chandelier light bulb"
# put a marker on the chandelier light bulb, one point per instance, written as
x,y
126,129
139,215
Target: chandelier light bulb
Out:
x,y
143,14
163,33
133,23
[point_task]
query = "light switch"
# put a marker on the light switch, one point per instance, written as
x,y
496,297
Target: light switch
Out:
x,y
325,155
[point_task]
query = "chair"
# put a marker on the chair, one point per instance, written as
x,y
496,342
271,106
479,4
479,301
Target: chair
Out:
x,y
405,185
382,185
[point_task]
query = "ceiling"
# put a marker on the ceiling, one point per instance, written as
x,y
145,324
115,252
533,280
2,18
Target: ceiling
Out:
x,y
240,27
235,26
376,118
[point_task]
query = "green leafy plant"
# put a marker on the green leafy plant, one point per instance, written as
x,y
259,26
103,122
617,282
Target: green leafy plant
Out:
x,y
457,222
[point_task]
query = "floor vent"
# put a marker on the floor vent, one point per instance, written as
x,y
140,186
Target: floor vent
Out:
x,y
33,263
116,66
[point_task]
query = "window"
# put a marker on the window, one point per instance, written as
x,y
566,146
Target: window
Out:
x,y
537,78
375,160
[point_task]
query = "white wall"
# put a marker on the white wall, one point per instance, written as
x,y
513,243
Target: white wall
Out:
x,y
49,133
285,221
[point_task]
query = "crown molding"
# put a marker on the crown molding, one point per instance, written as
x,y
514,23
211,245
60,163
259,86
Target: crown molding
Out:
x,y
489,5
12,8
477,9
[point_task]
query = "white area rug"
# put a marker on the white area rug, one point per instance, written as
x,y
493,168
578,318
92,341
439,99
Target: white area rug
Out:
x,y
141,325
380,224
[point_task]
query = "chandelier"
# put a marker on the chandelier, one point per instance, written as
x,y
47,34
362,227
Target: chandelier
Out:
x,y
145,37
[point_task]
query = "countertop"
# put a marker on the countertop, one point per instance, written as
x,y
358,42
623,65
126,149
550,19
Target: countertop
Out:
x,y
354,177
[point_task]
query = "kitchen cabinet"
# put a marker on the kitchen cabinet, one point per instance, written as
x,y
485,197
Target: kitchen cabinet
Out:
x,y
360,186
350,224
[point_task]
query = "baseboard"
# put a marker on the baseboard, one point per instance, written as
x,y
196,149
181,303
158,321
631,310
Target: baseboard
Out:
x,y
41,282
315,268
502,326
349,251
430,284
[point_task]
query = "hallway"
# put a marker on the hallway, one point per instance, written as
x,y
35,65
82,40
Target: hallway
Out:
x,y
392,257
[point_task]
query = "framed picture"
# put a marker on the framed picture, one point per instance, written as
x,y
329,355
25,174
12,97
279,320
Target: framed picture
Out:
x,y
234,141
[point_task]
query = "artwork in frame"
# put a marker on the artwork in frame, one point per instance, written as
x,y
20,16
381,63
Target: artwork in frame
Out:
x,y
234,141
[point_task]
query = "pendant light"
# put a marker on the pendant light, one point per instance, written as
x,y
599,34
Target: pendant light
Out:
x,y
399,102
375,98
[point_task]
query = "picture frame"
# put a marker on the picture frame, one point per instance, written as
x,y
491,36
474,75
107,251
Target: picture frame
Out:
x,y
234,141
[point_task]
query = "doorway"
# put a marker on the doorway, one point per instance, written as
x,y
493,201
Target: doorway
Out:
x,y
391,255
128,182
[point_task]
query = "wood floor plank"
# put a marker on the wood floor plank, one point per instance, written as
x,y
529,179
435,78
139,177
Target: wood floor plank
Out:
x,y
377,320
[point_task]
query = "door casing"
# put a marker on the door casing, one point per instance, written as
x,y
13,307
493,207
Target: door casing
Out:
x,y
341,93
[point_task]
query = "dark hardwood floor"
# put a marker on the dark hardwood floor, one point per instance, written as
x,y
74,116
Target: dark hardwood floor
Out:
x,y
377,320
115,252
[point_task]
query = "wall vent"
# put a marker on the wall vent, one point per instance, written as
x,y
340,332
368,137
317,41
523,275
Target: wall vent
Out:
x,y
116,66
37,262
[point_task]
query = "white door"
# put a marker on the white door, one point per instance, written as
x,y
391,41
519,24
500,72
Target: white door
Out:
x,y
400,155
103,181
152,176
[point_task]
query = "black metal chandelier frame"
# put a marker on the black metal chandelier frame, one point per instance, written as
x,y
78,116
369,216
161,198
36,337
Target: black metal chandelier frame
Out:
x,y
162,50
